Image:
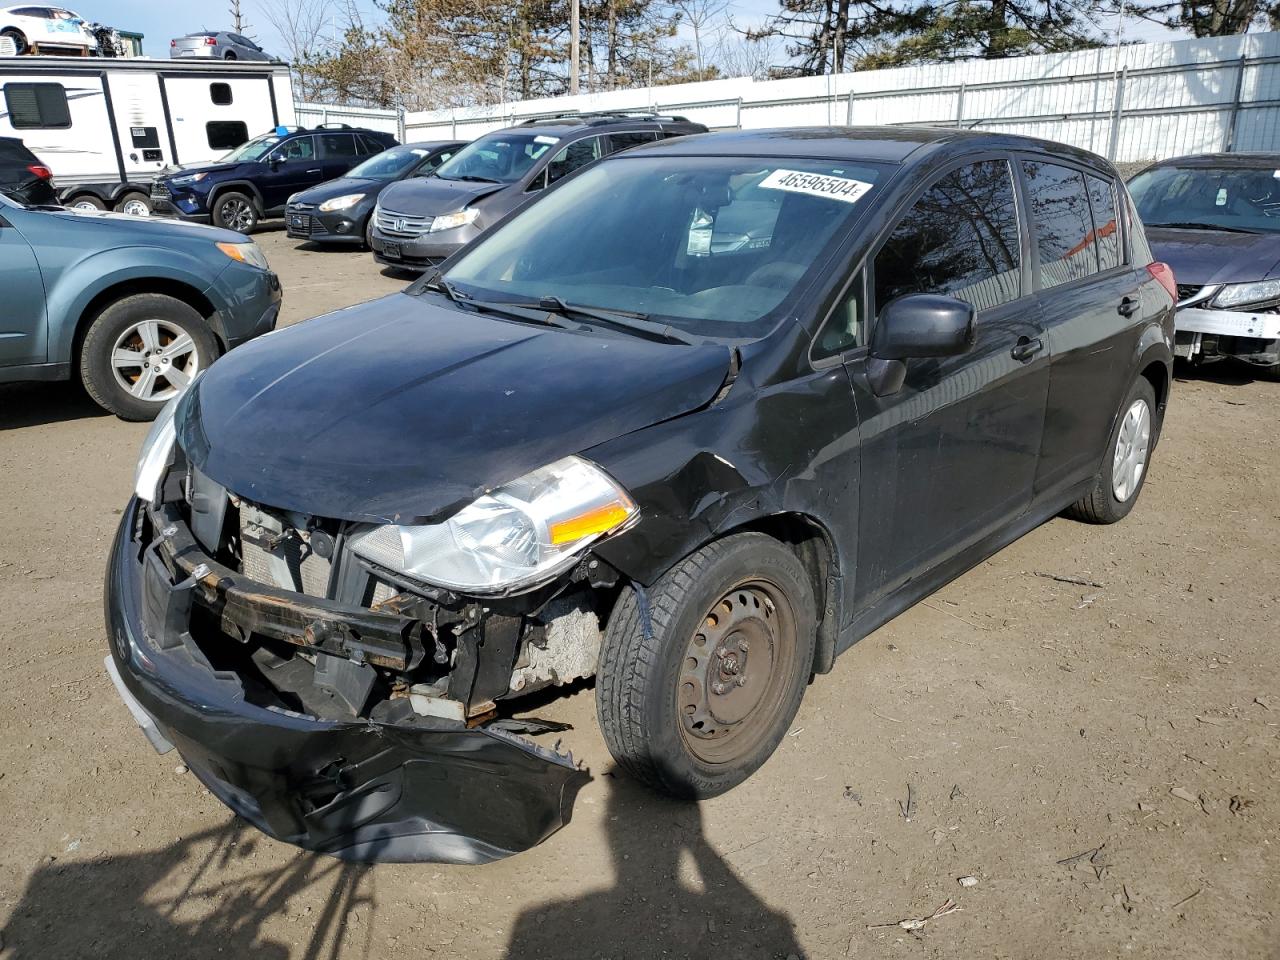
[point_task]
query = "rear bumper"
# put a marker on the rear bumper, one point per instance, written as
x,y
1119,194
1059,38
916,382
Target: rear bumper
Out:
x,y
358,790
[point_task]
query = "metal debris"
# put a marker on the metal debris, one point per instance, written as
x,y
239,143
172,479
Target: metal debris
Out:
x,y
967,881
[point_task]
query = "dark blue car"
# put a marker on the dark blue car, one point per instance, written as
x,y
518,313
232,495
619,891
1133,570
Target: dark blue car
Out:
x,y
255,180
134,308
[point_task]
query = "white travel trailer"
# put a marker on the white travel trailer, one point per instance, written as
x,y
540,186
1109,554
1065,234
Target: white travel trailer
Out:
x,y
107,127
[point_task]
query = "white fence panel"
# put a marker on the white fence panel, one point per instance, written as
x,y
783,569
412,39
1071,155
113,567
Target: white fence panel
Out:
x,y
371,118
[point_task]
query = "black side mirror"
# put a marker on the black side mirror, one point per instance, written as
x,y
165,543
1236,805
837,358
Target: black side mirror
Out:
x,y
916,326
273,163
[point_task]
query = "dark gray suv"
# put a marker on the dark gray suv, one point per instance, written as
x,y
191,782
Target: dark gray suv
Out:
x,y
420,222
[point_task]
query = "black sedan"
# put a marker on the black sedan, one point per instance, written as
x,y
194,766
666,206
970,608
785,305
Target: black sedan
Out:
x,y
22,176
694,421
339,211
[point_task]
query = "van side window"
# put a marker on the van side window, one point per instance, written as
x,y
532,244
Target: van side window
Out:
x,y
220,94
37,106
575,155
1059,210
1106,225
621,141
959,239
338,145
226,134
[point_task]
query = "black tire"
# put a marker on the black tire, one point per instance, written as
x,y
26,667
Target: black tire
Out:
x,y
134,197
231,55
237,211
19,40
1101,504
86,200
368,233
99,374
643,683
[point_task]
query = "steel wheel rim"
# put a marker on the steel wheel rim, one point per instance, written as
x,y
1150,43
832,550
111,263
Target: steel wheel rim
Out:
x,y
1133,443
136,208
735,672
237,215
85,205
154,360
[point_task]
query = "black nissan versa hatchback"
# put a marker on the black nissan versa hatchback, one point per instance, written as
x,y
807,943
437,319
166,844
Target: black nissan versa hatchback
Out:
x,y
693,422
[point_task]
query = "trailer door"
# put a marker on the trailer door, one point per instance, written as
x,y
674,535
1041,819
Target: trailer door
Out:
x,y
213,113
140,122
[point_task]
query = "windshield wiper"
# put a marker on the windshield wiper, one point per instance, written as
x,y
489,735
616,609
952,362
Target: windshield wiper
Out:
x,y
473,178
1189,225
627,320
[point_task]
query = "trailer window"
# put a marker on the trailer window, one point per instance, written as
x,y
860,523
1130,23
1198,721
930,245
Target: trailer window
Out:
x,y
37,106
226,134
220,94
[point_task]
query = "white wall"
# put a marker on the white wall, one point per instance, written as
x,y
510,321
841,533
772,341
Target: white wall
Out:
x,y
1177,98
371,118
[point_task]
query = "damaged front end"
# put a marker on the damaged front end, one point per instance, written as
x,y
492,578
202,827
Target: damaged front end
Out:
x,y
332,703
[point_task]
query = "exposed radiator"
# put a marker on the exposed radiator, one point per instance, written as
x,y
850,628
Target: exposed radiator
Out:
x,y
275,553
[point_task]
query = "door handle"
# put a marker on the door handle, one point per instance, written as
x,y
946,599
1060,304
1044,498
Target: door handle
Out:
x,y
313,171
1128,306
1026,348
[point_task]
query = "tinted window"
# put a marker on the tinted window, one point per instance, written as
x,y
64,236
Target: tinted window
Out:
x,y
37,105
499,157
226,134
337,145
220,93
620,141
960,239
1243,198
368,145
1059,211
572,157
300,148
1106,227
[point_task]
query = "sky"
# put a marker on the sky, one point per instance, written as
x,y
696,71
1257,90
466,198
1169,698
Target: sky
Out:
x,y
160,22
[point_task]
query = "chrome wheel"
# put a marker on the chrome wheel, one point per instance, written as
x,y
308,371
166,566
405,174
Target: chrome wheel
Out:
x,y
136,208
237,214
86,205
154,360
1133,443
735,672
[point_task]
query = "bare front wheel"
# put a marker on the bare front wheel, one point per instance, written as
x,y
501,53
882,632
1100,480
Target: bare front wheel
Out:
x,y
697,687
142,351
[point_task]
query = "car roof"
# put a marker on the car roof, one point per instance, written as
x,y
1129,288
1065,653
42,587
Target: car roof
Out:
x,y
576,122
878,144
1243,160
425,144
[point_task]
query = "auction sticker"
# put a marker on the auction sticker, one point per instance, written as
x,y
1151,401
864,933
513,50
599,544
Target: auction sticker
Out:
x,y
816,185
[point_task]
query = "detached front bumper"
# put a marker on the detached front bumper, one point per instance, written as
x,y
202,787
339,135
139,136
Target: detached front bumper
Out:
x,y
428,790
1238,333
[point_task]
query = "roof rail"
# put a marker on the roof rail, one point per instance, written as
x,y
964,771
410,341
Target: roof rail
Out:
x,y
333,126
604,116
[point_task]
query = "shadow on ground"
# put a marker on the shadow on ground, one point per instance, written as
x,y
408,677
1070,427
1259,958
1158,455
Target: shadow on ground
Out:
x,y
27,404
670,895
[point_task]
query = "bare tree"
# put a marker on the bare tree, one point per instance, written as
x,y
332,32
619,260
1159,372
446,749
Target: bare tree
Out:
x,y
735,54
701,16
237,19
300,24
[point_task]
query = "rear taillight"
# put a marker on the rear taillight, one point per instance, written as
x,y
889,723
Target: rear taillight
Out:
x,y
40,170
210,41
173,43
1162,273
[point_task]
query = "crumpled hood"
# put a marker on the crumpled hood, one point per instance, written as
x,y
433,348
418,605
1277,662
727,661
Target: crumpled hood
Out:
x,y
1202,257
406,408
434,196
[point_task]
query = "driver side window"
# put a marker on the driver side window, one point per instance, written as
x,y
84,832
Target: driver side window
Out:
x,y
300,149
575,155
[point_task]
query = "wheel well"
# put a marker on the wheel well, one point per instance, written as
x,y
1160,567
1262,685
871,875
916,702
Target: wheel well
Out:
x,y
1158,376
813,546
248,189
128,288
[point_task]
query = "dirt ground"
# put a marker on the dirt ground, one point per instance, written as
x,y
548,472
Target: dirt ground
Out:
x,y
1105,761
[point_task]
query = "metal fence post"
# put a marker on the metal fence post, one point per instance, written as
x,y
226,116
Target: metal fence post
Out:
x,y
960,105
848,120
1230,133
738,119
1117,114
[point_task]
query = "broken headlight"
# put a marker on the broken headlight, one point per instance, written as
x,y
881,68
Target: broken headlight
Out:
x,y
515,537
156,452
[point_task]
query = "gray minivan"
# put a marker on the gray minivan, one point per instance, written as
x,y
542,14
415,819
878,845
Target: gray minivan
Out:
x,y
418,223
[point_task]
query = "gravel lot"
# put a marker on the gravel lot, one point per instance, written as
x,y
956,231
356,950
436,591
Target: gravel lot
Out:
x,y
1105,761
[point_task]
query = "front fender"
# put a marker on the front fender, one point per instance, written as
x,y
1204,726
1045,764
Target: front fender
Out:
x,y
79,284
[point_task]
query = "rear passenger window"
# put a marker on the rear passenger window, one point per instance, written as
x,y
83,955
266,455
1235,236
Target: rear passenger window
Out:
x,y
1106,226
1064,227
368,145
37,106
337,145
220,94
960,239
621,141
572,157
225,134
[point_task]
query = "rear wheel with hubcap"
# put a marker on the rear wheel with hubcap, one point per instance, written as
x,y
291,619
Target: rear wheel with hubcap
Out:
x,y
143,350
135,204
87,201
694,702
235,211
1124,466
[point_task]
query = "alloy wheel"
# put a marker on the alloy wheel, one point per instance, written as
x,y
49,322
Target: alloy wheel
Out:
x,y
154,360
237,214
1133,443
735,672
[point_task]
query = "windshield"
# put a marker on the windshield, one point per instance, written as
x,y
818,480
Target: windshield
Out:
x,y
252,149
1233,198
389,164
499,157
709,245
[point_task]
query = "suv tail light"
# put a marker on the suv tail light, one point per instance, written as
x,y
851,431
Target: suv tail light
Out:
x,y
1163,274
40,170
210,41
173,43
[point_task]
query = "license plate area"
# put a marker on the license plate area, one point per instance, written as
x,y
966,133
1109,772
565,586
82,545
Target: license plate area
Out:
x,y
391,249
